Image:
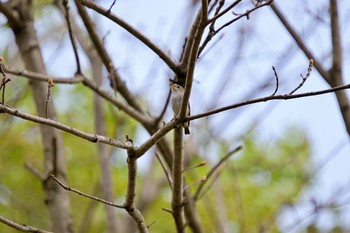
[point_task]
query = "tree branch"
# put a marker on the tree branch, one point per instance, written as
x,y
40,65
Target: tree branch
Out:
x,y
167,59
212,171
44,121
116,80
71,37
218,15
265,99
84,194
246,14
177,203
89,83
22,227
318,66
129,203
42,77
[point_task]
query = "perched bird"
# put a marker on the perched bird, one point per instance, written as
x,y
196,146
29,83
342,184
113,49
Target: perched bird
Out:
x,y
177,93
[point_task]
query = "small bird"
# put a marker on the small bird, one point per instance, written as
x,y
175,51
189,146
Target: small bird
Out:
x,y
177,93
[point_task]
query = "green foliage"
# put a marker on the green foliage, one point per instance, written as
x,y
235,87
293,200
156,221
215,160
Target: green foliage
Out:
x,y
255,184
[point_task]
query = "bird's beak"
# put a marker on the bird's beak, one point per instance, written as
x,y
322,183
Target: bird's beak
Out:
x,y
171,85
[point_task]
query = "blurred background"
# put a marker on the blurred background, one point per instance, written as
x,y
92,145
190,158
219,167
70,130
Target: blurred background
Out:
x,y
292,174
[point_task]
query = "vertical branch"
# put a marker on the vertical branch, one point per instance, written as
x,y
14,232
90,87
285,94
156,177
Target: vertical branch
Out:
x,y
198,33
3,81
50,84
129,203
177,200
70,32
336,70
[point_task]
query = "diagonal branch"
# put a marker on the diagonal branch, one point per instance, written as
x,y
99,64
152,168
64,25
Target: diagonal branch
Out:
x,y
246,14
167,59
144,119
44,121
22,227
213,170
116,80
84,194
12,19
318,66
71,36
218,15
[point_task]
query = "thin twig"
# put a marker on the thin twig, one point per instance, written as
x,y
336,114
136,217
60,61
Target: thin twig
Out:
x,y
160,117
218,15
300,42
50,84
212,171
166,171
84,194
35,172
71,37
208,186
211,31
277,82
110,8
304,78
201,164
246,14
21,227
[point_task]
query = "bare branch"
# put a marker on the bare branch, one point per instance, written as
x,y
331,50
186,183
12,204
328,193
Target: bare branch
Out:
x,y
12,20
167,59
129,203
166,170
198,30
277,80
213,170
89,83
88,136
177,202
71,37
84,194
211,31
218,15
304,78
300,43
246,14
204,11
156,137
116,81
265,99
3,81
21,227
43,77
50,84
